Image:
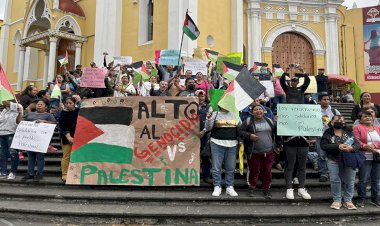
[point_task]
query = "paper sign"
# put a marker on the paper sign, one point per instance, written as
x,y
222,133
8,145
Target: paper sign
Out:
x,y
169,57
268,87
157,56
312,88
299,120
122,60
219,66
237,54
93,77
136,141
199,53
32,136
197,66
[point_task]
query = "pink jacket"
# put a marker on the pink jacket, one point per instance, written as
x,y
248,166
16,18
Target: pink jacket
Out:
x,y
361,134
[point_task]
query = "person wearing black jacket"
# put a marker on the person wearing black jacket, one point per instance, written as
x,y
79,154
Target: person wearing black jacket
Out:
x,y
339,141
294,94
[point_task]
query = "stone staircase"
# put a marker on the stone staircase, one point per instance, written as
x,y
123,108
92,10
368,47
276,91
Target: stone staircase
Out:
x,y
345,109
55,203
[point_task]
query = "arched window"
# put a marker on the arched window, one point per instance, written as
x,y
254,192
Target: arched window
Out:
x,y
17,41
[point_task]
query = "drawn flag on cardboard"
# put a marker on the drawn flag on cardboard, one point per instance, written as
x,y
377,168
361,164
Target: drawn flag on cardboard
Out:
x,y
277,70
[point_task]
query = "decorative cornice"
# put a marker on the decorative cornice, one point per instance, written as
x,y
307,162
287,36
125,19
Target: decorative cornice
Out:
x,y
319,52
52,33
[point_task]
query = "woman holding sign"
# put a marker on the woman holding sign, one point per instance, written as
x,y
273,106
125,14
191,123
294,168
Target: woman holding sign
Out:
x,y
339,143
40,116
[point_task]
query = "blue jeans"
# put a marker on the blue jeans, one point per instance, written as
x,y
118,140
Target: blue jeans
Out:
x,y
322,159
369,170
223,155
5,152
342,181
33,158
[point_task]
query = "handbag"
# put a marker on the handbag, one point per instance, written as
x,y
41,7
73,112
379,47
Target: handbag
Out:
x,y
352,159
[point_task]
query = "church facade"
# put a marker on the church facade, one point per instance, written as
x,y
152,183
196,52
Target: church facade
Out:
x,y
313,33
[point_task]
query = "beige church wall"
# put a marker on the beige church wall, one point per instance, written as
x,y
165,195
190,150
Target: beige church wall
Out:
x,y
214,18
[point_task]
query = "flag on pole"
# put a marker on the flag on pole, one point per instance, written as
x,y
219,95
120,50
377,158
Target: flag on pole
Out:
x,y
56,93
215,96
230,70
211,55
6,92
241,93
190,28
277,70
64,60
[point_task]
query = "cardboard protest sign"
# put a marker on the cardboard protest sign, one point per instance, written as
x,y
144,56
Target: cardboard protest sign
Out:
x,y
169,57
197,66
268,87
93,77
122,60
312,88
199,53
32,136
237,54
140,141
219,66
299,120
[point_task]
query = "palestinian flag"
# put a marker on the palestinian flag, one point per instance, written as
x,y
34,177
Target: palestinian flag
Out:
x,y
64,60
257,67
211,55
215,96
139,72
241,92
104,135
190,28
6,92
277,70
56,93
230,70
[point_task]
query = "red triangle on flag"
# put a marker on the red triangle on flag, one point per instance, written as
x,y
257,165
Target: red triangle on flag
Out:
x,y
225,68
230,89
85,132
4,81
254,67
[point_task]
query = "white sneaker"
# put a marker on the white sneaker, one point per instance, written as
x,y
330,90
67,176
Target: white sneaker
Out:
x,y
295,181
231,191
303,193
217,191
11,176
289,194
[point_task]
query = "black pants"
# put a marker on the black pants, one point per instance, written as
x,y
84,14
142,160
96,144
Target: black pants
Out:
x,y
293,155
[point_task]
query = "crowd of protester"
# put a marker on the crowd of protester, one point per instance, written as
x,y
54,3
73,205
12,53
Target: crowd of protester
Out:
x,y
338,155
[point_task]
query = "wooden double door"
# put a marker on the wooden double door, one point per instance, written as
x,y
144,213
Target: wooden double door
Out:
x,y
293,48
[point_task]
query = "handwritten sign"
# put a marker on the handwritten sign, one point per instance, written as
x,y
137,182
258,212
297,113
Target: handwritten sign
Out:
x,y
268,87
199,53
32,136
299,120
197,66
148,141
122,60
93,78
169,57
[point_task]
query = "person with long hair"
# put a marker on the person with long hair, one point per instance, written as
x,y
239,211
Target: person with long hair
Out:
x,y
28,96
368,136
67,125
202,83
336,141
365,101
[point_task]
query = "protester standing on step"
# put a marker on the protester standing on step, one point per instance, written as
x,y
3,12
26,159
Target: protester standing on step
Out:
x,y
67,124
224,139
258,133
368,136
365,101
373,111
339,143
40,116
322,82
9,118
327,114
28,96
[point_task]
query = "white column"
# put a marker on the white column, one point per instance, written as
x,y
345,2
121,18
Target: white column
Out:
x,y
254,35
46,68
108,27
4,37
237,38
78,53
332,43
52,58
176,17
21,65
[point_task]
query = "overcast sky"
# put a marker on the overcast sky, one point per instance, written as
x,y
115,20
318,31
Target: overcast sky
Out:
x,y
348,3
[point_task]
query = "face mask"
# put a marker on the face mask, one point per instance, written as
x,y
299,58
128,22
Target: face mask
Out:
x,y
191,87
264,72
338,125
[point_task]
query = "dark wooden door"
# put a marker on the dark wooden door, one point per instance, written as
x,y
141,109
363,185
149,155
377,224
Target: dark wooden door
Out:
x,y
292,48
64,45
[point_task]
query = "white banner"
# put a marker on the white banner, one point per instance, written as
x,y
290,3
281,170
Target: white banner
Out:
x,y
32,136
197,66
122,60
268,87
